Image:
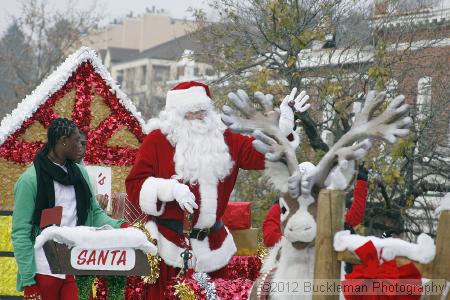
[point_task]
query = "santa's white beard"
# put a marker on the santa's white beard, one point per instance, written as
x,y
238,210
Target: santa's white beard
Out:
x,y
201,154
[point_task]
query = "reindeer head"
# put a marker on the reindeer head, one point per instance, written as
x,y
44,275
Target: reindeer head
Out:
x,y
335,170
298,223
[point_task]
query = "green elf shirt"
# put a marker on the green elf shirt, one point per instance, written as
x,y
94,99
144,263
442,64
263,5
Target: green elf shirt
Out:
x,y
24,232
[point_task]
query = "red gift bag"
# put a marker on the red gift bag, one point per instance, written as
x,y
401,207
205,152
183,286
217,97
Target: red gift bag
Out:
x,y
237,215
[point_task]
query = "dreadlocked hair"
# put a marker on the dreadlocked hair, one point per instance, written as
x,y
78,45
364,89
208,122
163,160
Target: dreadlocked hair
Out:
x,y
58,128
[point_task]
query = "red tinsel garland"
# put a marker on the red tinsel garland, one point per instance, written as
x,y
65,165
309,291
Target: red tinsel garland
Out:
x,y
225,288
85,81
232,288
101,288
242,272
134,288
244,267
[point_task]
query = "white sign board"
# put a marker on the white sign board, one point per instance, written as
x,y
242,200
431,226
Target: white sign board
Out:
x,y
101,179
112,259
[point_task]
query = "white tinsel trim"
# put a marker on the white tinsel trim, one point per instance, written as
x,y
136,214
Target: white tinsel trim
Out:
x,y
423,251
55,81
191,99
204,282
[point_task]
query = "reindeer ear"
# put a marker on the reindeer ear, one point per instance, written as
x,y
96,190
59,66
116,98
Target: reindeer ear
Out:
x,y
284,208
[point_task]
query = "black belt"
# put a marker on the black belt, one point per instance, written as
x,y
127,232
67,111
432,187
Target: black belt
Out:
x,y
199,234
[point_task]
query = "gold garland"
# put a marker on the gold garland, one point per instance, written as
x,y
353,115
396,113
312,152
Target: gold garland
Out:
x,y
8,271
153,260
5,234
9,173
184,292
246,252
123,138
35,133
94,288
64,107
119,174
262,251
99,111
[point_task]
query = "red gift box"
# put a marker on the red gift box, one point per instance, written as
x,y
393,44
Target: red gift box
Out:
x,y
237,215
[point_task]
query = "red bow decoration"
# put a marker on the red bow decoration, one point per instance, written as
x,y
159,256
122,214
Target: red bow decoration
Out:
x,y
374,281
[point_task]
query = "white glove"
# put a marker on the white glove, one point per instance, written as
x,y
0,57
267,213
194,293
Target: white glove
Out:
x,y
183,195
286,122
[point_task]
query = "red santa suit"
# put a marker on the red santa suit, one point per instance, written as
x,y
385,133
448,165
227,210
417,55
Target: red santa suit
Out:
x,y
155,160
271,226
153,178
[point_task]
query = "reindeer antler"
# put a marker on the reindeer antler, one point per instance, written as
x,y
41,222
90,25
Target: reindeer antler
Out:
x,y
264,126
388,125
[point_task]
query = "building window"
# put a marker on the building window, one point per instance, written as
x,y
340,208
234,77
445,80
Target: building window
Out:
x,y
157,104
138,99
209,72
143,75
119,77
180,72
161,73
130,76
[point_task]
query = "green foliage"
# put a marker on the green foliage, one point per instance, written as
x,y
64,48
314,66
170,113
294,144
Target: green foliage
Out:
x,y
84,283
318,156
391,175
256,44
403,148
247,33
115,284
381,71
378,74
116,287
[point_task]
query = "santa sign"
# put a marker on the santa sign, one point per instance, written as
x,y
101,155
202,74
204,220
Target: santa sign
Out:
x,y
114,259
101,178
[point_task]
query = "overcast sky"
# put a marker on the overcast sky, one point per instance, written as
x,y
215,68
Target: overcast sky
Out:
x,y
119,8
113,8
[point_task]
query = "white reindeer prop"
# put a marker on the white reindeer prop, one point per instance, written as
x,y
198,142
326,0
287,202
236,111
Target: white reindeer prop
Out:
x,y
293,257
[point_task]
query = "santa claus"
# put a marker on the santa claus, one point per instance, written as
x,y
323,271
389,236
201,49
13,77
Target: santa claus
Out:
x,y
188,163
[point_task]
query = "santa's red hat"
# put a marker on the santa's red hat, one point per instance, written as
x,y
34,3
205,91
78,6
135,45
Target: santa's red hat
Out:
x,y
189,96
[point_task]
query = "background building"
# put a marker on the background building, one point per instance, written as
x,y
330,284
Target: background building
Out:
x,y
148,75
139,33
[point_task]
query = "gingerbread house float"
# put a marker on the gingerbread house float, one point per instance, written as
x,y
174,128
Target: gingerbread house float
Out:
x,y
82,90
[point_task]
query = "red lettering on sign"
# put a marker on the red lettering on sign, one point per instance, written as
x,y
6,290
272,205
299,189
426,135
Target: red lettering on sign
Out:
x,y
91,258
102,180
114,252
122,259
102,257
82,257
